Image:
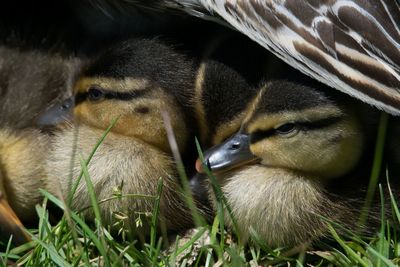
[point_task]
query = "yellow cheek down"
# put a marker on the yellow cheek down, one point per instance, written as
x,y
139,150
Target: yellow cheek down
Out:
x,y
146,127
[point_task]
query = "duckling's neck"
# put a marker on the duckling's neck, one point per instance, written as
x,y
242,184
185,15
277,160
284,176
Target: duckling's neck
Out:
x,y
121,163
281,206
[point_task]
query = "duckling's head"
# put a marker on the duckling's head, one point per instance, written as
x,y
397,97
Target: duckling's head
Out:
x,y
136,82
296,128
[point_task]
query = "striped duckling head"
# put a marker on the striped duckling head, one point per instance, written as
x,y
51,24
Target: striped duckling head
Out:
x,y
135,82
298,129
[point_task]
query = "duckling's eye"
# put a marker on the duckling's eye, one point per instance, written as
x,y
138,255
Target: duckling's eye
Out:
x,y
287,128
95,94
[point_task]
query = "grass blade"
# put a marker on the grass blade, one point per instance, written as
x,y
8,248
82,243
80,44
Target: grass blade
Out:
x,y
376,167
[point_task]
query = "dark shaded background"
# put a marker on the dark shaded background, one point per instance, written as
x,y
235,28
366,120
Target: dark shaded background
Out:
x,y
83,28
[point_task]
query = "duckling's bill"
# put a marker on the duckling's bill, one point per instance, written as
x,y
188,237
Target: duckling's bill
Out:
x,y
233,153
58,113
10,224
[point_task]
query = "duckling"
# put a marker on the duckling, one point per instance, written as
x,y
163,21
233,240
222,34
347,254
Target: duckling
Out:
x,y
133,82
30,81
297,158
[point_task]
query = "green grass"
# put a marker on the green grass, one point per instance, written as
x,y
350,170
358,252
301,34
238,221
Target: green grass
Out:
x,y
74,242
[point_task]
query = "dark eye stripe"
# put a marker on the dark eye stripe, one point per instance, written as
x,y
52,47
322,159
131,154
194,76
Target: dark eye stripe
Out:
x,y
303,125
322,123
83,96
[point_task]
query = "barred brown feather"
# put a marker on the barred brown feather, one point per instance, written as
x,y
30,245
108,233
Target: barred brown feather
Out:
x,y
352,45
